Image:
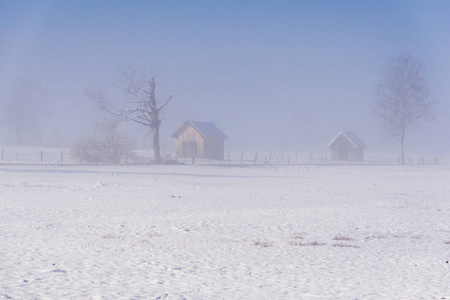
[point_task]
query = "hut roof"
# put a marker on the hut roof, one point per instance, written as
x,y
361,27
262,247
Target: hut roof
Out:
x,y
206,129
352,137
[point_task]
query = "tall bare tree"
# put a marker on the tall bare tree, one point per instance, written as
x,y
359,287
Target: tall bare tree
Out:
x,y
141,106
403,98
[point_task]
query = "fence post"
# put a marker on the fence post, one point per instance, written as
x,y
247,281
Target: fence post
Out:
x,y
3,153
42,156
62,156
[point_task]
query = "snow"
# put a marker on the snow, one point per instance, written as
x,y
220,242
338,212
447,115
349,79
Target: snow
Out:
x,y
217,232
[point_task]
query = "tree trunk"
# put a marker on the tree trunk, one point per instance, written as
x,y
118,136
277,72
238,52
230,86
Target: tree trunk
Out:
x,y
156,148
155,119
402,152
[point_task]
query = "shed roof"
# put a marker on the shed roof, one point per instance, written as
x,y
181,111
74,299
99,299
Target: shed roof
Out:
x,y
206,129
352,137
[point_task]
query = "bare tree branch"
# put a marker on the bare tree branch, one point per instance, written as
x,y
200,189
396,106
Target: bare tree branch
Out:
x,y
142,108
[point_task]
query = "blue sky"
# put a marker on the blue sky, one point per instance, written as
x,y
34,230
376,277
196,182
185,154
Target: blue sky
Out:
x,y
273,75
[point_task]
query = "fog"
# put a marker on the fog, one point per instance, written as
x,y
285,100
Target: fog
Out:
x,y
280,76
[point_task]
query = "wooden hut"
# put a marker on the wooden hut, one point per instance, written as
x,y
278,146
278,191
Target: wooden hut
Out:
x,y
200,139
347,146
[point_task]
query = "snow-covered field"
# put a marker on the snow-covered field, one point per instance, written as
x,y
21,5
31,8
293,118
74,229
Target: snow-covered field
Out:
x,y
208,232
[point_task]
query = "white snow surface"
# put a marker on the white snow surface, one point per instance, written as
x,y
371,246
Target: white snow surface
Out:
x,y
212,232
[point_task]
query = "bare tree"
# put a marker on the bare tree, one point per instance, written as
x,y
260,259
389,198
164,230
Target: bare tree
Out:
x,y
142,108
403,98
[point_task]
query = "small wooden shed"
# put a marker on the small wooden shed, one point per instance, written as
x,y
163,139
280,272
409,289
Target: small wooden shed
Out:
x,y
347,146
201,140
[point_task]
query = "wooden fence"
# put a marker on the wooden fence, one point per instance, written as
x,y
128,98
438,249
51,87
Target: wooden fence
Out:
x,y
51,155
35,155
301,158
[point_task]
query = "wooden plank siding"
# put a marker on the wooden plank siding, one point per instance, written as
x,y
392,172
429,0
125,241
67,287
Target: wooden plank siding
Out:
x,y
347,146
200,140
190,135
344,150
214,148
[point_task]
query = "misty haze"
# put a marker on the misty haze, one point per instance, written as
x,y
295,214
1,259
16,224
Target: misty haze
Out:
x,y
224,150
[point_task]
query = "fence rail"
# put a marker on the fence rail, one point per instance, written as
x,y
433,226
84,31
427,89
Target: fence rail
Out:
x,y
303,159
36,155
51,155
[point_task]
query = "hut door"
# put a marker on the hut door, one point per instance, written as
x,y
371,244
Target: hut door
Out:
x,y
343,154
189,148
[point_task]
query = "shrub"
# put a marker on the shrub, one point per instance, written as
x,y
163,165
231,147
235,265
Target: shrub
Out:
x,y
107,145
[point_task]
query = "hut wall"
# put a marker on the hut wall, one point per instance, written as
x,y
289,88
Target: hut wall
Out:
x,y
190,143
214,148
342,149
351,154
359,154
356,154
